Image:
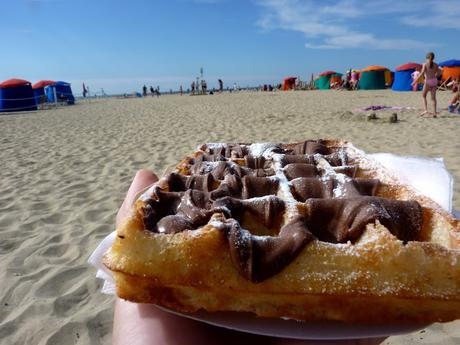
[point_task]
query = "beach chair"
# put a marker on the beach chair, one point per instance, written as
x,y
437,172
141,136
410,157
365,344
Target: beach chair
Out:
x,y
445,85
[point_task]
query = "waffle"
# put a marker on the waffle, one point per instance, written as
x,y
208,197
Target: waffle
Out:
x,y
309,231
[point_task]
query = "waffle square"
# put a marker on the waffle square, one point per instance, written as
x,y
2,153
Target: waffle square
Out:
x,y
312,230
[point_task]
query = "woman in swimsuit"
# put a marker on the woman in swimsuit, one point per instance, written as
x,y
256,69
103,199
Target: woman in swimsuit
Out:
x,y
430,71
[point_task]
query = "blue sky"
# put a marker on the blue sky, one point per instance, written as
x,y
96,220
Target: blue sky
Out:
x,y
120,45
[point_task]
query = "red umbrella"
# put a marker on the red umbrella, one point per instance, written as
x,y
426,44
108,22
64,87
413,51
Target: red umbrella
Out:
x,y
14,82
327,73
43,83
373,68
409,65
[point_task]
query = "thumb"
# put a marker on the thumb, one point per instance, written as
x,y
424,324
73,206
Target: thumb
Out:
x,y
143,179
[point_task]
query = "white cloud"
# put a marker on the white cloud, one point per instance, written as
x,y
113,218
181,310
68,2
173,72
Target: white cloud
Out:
x,y
333,26
441,14
366,40
344,8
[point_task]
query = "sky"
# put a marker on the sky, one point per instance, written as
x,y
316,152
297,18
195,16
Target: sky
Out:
x,y
121,45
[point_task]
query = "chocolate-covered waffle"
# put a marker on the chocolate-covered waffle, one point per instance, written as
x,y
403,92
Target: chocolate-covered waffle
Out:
x,y
313,230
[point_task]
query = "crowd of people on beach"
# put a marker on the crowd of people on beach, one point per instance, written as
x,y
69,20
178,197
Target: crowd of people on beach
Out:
x,y
198,87
427,79
153,91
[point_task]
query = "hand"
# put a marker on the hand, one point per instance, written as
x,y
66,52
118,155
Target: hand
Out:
x,y
142,180
142,324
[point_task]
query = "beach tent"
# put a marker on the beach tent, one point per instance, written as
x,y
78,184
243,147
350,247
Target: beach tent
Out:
x,y
289,83
63,92
16,95
324,80
450,68
39,90
373,78
335,78
403,76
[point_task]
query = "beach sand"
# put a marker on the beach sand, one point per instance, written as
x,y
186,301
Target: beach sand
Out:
x,y
65,172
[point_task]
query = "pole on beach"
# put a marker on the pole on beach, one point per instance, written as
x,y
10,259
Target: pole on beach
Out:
x,y
201,80
55,97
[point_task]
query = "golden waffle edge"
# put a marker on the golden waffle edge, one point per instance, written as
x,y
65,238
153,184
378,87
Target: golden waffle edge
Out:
x,y
374,277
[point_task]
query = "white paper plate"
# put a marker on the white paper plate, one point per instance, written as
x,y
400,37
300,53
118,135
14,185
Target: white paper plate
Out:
x,y
312,330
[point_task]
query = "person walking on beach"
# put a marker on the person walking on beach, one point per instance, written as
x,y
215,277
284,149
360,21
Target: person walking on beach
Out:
x,y
144,91
152,91
204,86
180,90
221,85
84,90
192,86
430,71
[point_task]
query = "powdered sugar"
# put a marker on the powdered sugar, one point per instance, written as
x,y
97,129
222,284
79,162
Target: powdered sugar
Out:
x,y
212,146
261,149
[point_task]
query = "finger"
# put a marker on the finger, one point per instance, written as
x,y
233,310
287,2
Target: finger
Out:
x,y
143,179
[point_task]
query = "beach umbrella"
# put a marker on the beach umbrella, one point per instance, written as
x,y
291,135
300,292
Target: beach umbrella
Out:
x,y
16,95
43,83
14,83
450,69
409,66
326,73
373,68
450,63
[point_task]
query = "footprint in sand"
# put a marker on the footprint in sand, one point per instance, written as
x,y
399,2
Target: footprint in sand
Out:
x,y
100,326
54,250
7,329
70,333
55,218
60,283
101,230
55,238
8,220
94,215
7,246
71,302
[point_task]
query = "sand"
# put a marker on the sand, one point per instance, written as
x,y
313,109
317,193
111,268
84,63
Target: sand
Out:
x,y
65,171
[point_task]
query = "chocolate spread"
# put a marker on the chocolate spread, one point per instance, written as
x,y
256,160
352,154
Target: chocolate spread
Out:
x,y
243,184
